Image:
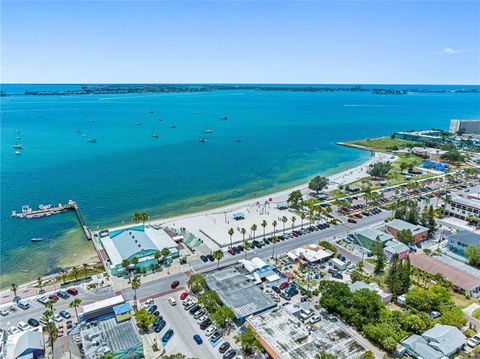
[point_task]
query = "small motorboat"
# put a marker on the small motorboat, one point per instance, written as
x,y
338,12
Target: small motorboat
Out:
x,y
138,123
223,117
238,140
155,135
208,131
36,239
152,111
173,126
92,140
18,146
18,152
203,140
92,120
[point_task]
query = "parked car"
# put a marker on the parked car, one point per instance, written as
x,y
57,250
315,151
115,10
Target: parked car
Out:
x,y
189,305
210,258
337,275
72,291
474,341
23,326
53,297
224,347
204,258
62,294
195,309
351,220
148,303
197,339
229,354
183,295
172,301
174,284
200,313
205,324
215,336
166,337
283,285
315,319
231,251
13,330
65,314
210,330
152,309
202,319
3,312
161,324
57,318
33,322
23,305
285,296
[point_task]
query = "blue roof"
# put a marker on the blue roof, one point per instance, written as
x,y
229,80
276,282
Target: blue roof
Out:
x,y
122,308
239,214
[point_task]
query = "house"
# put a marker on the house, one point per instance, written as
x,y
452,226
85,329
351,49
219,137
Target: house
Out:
x,y
459,242
386,296
138,242
395,247
463,208
367,237
419,233
442,341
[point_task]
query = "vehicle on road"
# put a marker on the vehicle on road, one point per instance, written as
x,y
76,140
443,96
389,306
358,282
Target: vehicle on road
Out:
x,y
183,295
33,322
172,301
166,337
229,354
72,291
198,339
23,326
65,314
3,312
174,284
224,347
315,319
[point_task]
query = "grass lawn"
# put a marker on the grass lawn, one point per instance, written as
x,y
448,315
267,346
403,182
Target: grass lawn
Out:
x,y
382,144
371,261
461,301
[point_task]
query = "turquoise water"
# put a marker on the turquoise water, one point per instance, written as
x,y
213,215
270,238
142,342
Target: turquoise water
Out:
x,y
285,138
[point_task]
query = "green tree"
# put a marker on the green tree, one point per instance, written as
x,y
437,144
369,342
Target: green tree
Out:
x,y
197,282
140,217
394,274
230,233
295,199
165,253
144,319
472,253
126,264
248,341
302,217
85,270
379,169
14,289
405,236
218,255
325,355
328,245
417,298
63,275
75,304
264,225
243,231
136,283
318,183
368,355
176,356
274,224
50,328
40,283
210,300
284,221
380,257
222,315
253,228
274,240
453,316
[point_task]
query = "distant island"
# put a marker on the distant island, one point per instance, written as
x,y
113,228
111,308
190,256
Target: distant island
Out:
x,y
128,89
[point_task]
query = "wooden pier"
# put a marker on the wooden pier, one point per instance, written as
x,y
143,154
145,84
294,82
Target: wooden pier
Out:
x,y
48,210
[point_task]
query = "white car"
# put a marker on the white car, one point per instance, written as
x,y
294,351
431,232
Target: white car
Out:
x,y
57,318
23,326
474,341
210,330
44,300
187,302
13,330
202,319
148,303
315,319
3,312
172,301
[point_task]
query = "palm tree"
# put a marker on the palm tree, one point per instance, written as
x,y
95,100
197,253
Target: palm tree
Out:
x,y
230,233
85,269
50,327
246,246
293,221
14,289
158,255
136,283
75,304
274,224
40,283
264,225
243,231
75,271
274,240
140,217
284,220
218,255
165,252
302,217
63,275
254,229
126,264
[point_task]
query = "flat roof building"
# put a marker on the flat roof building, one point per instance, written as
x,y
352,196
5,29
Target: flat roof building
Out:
x,y
25,345
419,233
368,236
462,207
426,136
285,336
239,291
467,126
459,242
136,242
311,253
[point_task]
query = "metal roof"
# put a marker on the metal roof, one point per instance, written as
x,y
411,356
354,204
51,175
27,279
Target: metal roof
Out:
x,y
400,225
372,234
467,202
445,338
467,237
109,302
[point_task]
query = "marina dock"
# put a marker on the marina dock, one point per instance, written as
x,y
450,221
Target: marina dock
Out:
x,y
49,210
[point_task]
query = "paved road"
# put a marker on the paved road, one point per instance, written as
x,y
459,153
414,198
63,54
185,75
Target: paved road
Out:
x,y
36,309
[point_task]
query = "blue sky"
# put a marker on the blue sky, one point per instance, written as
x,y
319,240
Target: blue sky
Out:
x,y
432,42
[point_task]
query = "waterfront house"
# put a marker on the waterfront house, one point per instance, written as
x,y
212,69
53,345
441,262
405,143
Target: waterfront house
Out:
x,y
419,233
459,242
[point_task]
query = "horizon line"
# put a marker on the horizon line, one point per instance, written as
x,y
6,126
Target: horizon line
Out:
x,y
232,83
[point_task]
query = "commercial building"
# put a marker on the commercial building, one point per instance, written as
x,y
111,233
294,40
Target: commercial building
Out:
x,y
384,295
442,341
419,233
465,126
462,208
310,253
135,242
464,281
239,290
436,166
367,237
427,136
459,242
25,345
260,270
106,327
433,154
284,335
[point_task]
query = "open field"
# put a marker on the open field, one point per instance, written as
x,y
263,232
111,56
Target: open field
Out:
x,y
382,144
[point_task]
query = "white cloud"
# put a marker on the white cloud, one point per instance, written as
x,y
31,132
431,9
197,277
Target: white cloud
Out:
x,y
449,51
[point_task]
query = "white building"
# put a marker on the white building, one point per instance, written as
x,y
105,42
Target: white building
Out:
x,y
461,207
469,126
25,345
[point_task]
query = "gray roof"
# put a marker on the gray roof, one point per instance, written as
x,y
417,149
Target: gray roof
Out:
x,y
394,246
445,338
418,345
238,292
372,234
467,237
400,225
466,201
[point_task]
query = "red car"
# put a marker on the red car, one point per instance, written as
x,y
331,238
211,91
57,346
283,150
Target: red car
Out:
x,y
174,284
72,291
183,295
53,297
283,285
358,215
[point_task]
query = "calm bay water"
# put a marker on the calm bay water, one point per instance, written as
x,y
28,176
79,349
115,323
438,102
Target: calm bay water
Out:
x,y
285,138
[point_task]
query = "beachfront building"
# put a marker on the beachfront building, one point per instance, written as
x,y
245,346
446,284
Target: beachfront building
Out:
x,y
374,287
136,242
367,238
433,154
465,126
441,341
24,345
105,327
427,136
459,242
239,289
419,233
462,208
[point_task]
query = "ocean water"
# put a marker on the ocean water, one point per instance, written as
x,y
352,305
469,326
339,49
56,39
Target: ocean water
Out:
x,y
285,138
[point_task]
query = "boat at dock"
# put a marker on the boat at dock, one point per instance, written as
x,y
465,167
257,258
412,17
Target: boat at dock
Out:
x,y
44,210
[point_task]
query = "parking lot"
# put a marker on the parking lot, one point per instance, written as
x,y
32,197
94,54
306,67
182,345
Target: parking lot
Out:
x,y
185,327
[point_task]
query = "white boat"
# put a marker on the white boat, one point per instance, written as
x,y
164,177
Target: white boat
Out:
x,y
208,131
223,117
203,140
155,135
17,145
36,239
44,206
18,152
